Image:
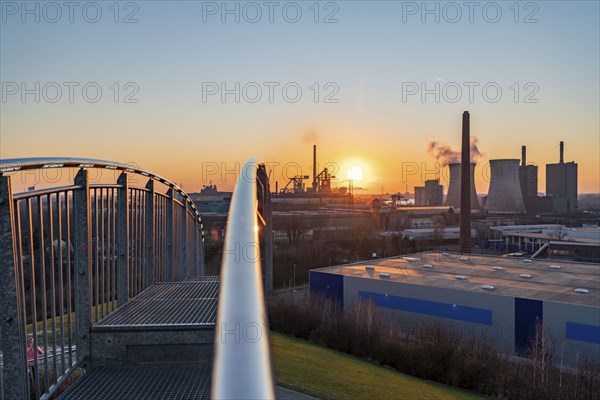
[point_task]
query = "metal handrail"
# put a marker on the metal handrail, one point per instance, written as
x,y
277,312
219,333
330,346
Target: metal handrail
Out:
x,y
20,164
242,366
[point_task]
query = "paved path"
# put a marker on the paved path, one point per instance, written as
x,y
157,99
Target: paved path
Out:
x,y
287,394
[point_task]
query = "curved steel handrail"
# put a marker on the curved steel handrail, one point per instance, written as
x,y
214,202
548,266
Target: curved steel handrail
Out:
x,y
21,164
242,365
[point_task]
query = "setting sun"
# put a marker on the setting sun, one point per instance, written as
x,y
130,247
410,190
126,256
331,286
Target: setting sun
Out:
x,y
355,173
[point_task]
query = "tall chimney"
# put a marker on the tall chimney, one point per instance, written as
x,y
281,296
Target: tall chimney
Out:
x,y
314,182
523,176
465,186
562,152
276,186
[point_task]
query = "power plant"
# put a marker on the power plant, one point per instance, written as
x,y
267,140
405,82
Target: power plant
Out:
x,y
504,194
432,194
296,194
453,197
561,183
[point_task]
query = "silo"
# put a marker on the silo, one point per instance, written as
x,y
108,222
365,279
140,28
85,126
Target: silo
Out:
x,y
504,195
453,197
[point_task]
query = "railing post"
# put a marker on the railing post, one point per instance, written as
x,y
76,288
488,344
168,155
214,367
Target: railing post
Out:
x,y
150,213
82,260
15,384
169,218
122,239
200,248
197,265
266,243
183,259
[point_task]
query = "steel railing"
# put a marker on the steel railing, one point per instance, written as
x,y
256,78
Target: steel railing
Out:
x,y
70,255
242,367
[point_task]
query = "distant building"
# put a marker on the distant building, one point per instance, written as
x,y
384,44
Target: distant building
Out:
x,y
499,298
430,195
528,178
580,244
561,183
420,196
211,200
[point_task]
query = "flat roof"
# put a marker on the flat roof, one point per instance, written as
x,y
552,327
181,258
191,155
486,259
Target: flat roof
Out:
x,y
572,239
546,282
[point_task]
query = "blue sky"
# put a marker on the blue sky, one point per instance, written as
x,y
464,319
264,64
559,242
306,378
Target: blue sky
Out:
x,y
369,56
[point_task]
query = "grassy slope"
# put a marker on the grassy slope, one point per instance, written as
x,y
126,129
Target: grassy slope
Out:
x,y
329,374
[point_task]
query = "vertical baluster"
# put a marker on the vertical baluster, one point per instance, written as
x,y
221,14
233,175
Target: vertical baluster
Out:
x,y
150,232
15,383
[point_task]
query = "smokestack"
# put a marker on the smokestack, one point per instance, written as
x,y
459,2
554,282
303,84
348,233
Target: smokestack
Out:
x,y
523,177
276,186
465,186
562,152
314,182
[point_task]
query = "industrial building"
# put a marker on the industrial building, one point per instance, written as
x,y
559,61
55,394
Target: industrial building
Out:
x,y
451,233
528,177
398,218
499,298
453,196
555,241
561,183
296,195
504,194
432,194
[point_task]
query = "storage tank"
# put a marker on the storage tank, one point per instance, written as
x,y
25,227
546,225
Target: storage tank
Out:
x,y
504,195
453,197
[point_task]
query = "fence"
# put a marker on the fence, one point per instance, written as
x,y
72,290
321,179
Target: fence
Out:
x,y
70,255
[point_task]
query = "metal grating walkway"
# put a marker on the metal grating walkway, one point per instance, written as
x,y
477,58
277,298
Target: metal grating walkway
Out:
x,y
168,382
192,303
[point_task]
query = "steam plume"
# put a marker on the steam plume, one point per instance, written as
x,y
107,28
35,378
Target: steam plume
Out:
x,y
445,155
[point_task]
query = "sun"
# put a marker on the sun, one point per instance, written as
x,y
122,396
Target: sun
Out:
x,y
355,173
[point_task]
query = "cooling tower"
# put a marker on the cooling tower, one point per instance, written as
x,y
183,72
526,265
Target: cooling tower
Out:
x,y
504,195
453,197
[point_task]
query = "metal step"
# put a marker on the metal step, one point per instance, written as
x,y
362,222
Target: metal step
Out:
x,y
166,323
168,382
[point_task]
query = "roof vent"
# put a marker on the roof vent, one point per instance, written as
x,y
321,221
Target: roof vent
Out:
x,y
555,266
384,275
427,266
581,290
526,276
497,268
487,287
459,277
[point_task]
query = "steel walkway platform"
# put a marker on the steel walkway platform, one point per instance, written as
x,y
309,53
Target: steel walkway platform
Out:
x,y
156,346
192,303
168,382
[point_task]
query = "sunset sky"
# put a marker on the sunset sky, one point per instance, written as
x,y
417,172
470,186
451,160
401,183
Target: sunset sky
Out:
x,y
368,61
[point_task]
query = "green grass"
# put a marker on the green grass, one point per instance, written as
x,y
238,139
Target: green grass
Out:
x,y
329,374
